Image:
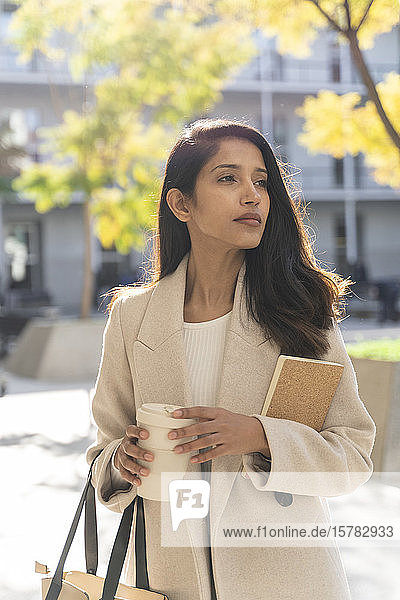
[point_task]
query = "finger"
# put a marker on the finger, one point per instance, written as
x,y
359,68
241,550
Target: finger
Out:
x,y
204,456
190,430
135,468
128,476
203,442
129,464
133,449
132,465
132,431
204,412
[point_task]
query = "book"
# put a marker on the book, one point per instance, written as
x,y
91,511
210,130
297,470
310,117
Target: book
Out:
x,y
301,390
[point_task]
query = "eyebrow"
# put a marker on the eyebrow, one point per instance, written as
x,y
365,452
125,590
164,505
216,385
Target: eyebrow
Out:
x,y
237,167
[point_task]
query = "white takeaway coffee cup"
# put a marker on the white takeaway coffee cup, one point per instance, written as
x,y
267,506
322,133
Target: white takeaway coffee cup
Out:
x,y
158,420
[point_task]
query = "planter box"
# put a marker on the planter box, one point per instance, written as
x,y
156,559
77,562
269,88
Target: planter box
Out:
x,y
379,387
65,349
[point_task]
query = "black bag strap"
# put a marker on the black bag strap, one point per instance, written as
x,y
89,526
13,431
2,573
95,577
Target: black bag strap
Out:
x,y
142,578
91,539
55,587
118,553
120,546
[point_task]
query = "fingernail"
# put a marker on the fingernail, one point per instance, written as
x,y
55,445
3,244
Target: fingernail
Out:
x,y
148,456
142,471
173,435
177,413
142,434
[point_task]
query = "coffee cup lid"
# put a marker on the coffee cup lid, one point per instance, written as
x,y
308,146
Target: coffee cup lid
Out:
x,y
154,413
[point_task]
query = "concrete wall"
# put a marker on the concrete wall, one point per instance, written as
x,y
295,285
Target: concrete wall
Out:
x,y
63,251
322,219
237,105
382,239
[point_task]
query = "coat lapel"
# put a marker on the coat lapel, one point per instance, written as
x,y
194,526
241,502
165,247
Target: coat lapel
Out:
x,y
159,356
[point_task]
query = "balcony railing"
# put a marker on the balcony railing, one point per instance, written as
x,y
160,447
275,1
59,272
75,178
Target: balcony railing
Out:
x,y
38,63
41,64
322,178
274,67
270,66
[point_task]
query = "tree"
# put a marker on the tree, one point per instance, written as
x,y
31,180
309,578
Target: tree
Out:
x,y
335,124
156,66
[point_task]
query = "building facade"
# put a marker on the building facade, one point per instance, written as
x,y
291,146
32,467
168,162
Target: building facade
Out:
x,y
351,219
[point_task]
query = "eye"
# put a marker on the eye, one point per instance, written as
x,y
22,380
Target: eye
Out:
x,y
224,177
262,181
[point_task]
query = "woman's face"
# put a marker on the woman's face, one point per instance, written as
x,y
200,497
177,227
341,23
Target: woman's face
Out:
x,y
225,193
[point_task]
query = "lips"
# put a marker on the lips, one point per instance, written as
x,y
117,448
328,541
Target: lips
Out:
x,y
248,219
248,216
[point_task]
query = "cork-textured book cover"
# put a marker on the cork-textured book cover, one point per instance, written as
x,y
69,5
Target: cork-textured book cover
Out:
x,y
301,390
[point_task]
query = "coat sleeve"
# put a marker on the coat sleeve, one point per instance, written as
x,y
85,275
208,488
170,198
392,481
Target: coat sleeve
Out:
x,y
113,409
331,462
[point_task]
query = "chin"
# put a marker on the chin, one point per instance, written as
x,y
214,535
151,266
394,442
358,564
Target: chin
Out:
x,y
250,246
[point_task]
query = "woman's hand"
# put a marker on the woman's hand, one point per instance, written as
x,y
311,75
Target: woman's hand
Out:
x,y
229,432
128,451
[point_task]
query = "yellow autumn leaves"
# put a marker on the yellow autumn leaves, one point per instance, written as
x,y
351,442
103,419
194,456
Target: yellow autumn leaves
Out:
x,y
337,124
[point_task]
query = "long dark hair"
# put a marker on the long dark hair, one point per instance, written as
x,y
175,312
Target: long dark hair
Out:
x,y
288,293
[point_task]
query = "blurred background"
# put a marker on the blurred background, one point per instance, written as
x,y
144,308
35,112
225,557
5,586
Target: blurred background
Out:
x,y
92,97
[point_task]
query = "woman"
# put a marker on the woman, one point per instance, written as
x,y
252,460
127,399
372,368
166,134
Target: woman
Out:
x,y
235,284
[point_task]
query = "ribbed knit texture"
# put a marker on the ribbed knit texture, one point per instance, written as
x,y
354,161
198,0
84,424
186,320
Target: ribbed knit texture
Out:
x,y
204,346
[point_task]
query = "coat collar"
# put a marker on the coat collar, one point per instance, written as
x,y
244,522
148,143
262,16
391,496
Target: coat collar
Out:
x,y
164,315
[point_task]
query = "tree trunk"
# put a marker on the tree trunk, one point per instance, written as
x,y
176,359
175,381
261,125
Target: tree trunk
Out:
x,y
88,279
370,85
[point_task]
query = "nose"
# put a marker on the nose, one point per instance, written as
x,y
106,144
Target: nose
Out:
x,y
251,194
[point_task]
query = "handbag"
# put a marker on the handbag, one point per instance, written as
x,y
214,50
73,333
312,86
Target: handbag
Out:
x,y
77,585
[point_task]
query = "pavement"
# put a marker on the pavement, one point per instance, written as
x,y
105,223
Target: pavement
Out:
x,y
356,329
45,430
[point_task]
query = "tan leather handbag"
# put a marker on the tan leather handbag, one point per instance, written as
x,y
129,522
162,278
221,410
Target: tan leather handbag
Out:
x,y
77,585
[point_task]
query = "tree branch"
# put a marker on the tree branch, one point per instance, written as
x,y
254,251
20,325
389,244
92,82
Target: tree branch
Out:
x,y
347,9
364,16
331,21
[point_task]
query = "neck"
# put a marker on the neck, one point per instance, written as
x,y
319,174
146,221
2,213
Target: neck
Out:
x,y
211,278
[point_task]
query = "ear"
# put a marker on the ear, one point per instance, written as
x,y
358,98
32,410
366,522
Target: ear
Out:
x,y
176,201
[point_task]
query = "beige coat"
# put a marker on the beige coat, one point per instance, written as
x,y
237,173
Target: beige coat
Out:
x,y
143,361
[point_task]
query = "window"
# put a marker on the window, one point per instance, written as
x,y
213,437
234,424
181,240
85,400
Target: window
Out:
x,y
335,74
8,7
341,264
280,128
8,53
357,166
22,251
338,172
277,66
